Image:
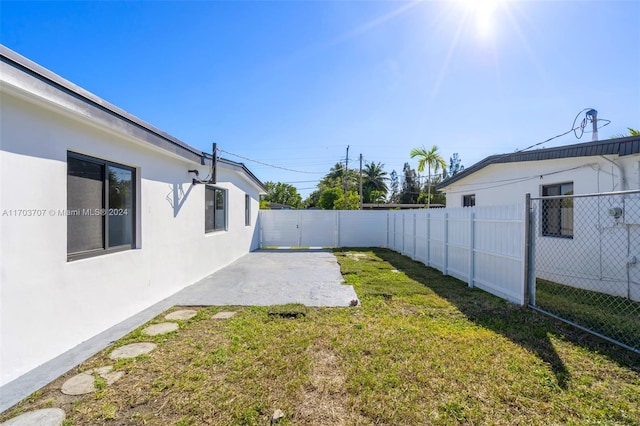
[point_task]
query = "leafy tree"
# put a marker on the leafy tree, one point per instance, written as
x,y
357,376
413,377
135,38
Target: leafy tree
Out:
x,y
333,179
333,199
455,165
394,187
632,132
328,198
410,186
430,159
377,197
353,201
283,193
373,179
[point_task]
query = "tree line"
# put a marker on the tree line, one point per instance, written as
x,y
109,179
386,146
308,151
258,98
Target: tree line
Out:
x,y
339,188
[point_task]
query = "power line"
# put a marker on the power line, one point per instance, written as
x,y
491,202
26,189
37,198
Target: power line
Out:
x,y
269,165
517,180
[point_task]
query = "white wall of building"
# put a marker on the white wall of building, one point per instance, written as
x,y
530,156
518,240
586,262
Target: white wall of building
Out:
x,y
507,183
48,304
597,257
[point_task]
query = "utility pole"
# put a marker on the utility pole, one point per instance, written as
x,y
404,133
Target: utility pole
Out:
x,y
361,194
346,171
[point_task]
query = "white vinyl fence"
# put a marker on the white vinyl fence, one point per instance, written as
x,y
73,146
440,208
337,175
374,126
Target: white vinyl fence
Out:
x,y
483,246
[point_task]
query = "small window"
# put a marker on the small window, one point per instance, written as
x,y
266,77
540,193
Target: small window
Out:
x,y
215,209
100,206
469,200
557,213
247,210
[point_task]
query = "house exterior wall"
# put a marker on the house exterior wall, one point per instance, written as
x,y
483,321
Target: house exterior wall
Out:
x,y
49,304
596,257
507,183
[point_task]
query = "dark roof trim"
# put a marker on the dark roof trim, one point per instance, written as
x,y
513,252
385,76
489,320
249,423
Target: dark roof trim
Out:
x,y
244,169
145,131
43,74
618,146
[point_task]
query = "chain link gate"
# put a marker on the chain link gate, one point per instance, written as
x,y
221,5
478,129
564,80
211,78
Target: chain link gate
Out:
x,y
584,262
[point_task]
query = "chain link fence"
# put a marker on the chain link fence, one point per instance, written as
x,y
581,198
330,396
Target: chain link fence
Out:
x,y
584,261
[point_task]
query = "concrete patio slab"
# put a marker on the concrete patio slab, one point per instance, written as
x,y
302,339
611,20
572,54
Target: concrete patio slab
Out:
x,y
273,277
265,277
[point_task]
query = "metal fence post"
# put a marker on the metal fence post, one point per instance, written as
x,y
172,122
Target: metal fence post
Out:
x,y
529,255
527,249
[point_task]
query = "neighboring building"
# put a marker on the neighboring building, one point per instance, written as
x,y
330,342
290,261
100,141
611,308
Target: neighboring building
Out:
x,y
397,206
585,168
589,242
68,271
278,206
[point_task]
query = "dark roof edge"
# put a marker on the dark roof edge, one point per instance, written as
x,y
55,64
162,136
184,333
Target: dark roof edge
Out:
x,y
627,145
244,169
65,85
49,77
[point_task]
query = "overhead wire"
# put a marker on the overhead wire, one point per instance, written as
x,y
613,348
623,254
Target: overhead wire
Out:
x,y
269,165
519,180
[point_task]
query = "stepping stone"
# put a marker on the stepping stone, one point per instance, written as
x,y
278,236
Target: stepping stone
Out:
x,y
223,315
132,350
109,376
44,417
79,384
162,328
84,383
182,315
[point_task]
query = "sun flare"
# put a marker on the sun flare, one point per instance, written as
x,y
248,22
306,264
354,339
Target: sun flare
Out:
x,y
482,14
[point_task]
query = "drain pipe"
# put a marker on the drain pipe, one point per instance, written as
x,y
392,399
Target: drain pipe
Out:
x,y
623,181
631,260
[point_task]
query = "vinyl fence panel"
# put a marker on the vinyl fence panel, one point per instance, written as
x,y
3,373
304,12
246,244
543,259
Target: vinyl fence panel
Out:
x,y
483,246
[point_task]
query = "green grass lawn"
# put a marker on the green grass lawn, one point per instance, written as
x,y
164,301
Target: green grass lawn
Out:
x,y
612,316
422,349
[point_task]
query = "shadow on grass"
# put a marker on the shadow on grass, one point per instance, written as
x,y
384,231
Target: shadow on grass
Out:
x,y
521,325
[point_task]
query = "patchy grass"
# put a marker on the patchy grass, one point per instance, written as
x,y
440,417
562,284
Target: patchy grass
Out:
x,y
421,349
614,316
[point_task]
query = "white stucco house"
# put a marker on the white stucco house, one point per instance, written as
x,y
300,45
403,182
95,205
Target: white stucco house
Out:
x,y
584,168
99,215
587,242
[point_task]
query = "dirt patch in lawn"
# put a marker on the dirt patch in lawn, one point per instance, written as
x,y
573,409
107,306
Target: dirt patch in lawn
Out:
x,y
324,399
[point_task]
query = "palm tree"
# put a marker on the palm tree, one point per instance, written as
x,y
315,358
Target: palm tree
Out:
x,y
431,158
374,180
632,132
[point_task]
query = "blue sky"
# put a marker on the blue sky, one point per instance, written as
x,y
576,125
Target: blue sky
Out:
x,y
292,83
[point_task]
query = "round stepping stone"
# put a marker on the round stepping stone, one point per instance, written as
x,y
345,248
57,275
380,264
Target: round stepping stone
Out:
x,y
79,384
162,328
44,417
182,315
84,383
223,315
132,350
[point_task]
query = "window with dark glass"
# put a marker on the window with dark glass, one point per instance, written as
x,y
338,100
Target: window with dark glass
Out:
x,y
215,209
469,200
247,210
557,213
100,206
